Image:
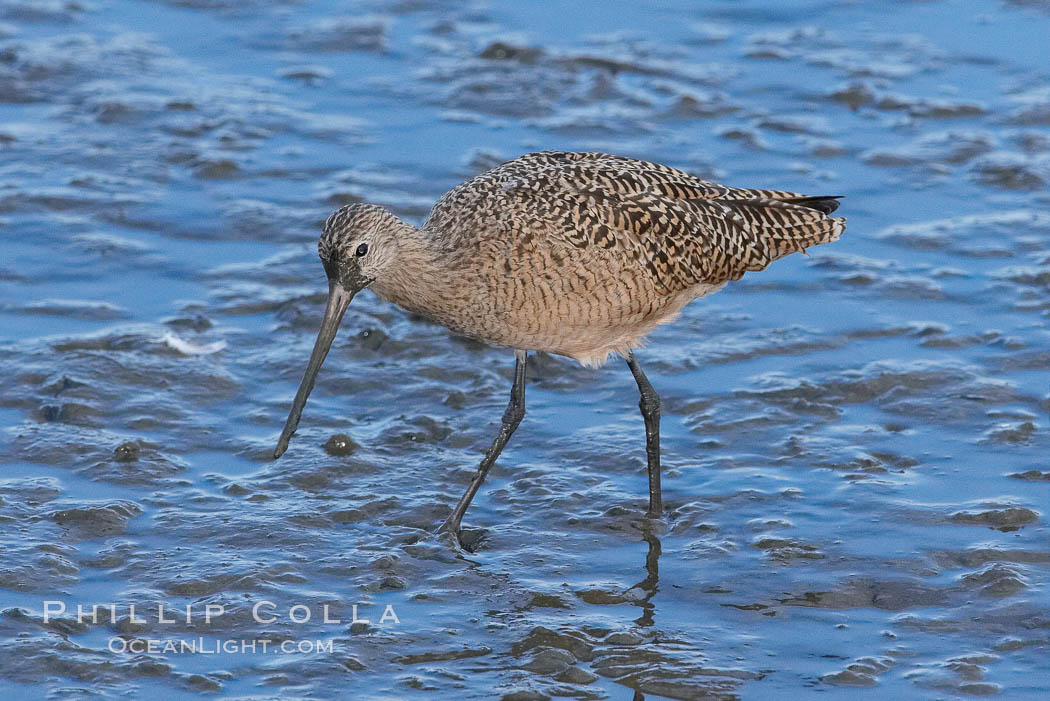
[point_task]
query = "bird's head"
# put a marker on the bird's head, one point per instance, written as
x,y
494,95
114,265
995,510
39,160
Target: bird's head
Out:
x,y
358,245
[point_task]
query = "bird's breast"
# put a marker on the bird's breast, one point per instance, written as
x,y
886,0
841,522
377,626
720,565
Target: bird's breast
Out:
x,y
580,303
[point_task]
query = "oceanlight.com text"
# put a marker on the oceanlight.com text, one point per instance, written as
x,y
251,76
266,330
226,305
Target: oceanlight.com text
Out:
x,y
216,646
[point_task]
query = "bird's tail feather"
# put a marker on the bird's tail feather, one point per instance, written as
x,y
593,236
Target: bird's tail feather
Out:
x,y
788,225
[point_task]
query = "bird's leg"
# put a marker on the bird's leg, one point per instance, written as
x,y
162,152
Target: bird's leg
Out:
x,y
511,418
650,406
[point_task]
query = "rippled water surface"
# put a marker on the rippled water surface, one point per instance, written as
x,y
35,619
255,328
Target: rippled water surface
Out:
x,y
855,442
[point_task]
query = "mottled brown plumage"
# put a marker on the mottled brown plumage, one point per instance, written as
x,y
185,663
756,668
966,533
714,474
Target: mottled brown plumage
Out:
x,y
579,254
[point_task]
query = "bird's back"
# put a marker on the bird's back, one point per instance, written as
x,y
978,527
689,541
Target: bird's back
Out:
x,y
684,230
608,247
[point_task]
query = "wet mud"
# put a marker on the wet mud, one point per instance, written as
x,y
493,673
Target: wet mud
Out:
x,y
855,441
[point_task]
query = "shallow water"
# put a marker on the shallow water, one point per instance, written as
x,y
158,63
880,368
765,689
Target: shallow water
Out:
x,y
855,441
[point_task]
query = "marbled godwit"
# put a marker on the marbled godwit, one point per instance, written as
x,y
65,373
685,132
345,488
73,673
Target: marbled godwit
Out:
x,y
579,254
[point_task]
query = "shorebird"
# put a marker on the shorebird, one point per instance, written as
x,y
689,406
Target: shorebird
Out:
x,y
577,254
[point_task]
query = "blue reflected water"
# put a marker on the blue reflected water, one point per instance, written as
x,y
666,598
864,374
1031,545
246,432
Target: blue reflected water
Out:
x,y
854,440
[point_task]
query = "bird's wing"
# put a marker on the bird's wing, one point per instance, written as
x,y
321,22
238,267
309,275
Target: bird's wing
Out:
x,y
629,176
681,229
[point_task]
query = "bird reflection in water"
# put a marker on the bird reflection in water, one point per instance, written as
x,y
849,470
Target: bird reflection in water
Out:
x,y
651,584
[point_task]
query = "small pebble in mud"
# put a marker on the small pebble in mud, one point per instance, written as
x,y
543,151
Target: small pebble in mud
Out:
x,y
216,170
371,339
126,452
199,682
1008,519
550,662
340,445
196,322
848,678
500,51
236,490
624,639
1032,476
456,400
50,412
575,675
127,626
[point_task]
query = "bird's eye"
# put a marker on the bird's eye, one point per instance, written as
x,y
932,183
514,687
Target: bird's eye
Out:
x,y
362,249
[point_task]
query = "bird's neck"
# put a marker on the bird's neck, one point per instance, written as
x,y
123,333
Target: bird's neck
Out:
x,y
416,280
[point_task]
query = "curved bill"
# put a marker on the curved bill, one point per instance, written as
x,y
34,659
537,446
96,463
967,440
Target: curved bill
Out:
x,y
338,300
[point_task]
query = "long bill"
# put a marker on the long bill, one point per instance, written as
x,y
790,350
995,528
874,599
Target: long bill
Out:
x,y
338,300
